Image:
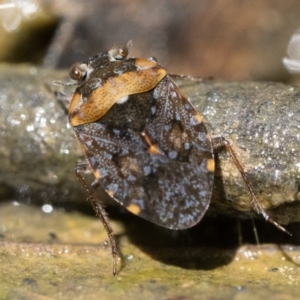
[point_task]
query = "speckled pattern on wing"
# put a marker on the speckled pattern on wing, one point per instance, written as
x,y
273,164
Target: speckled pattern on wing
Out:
x,y
173,188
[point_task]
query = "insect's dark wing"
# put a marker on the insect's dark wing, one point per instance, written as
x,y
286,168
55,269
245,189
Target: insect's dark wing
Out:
x,y
164,174
177,128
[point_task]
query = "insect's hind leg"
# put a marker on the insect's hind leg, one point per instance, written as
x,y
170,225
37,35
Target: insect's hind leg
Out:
x,y
99,210
221,142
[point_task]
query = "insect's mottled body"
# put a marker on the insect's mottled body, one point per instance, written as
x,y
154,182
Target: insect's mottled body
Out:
x,y
144,142
151,151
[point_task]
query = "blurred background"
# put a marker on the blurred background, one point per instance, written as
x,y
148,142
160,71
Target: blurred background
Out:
x,y
233,40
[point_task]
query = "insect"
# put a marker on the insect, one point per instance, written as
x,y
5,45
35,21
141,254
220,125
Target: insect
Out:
x,y
144,142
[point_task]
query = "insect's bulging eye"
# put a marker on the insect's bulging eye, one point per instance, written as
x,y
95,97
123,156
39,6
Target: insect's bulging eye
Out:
x,y
118,52
78,71
153,58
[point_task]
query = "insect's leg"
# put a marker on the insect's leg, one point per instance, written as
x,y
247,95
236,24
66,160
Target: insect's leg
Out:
x,y
64,100
220,142
186,77
100,212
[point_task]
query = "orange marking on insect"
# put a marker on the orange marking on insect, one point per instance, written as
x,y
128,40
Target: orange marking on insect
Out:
x,y
75,102
110,193
144,63
198,118
104,97
210,165
133,208
97,174
153,149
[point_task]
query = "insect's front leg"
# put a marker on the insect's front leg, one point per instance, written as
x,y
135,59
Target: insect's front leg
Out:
x,y
63,100
99,210
219,143
186,77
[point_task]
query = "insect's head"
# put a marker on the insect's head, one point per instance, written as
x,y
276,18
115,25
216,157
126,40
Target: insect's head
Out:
x,y
80,71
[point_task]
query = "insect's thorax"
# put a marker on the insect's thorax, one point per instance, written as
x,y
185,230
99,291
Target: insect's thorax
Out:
x,y
133,114
105,70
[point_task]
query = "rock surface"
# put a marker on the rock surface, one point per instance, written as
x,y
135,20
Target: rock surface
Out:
x,y
38,150
65,258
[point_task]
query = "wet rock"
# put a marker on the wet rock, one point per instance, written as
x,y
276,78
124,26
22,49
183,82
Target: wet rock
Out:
x,y
38,151
78,264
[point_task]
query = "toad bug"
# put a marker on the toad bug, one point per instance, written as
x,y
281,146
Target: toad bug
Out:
x,y
144,141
